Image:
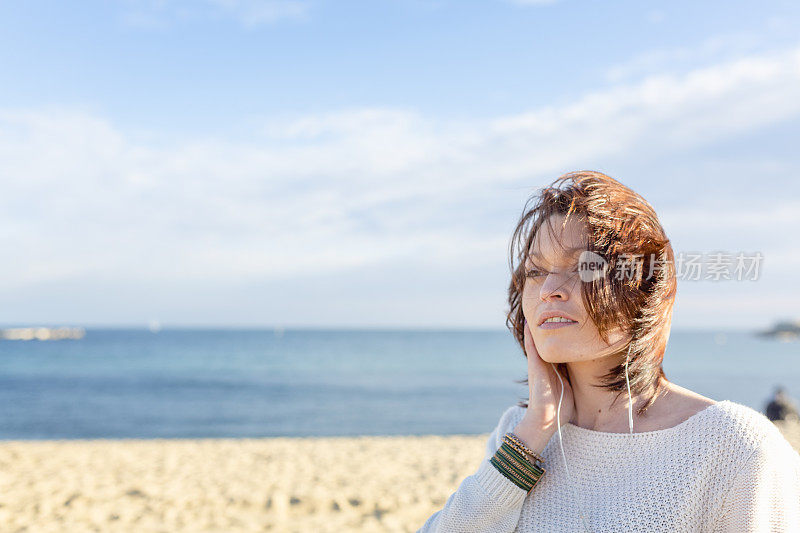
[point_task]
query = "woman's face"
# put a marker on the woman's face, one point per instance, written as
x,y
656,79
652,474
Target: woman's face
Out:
x,y
552,285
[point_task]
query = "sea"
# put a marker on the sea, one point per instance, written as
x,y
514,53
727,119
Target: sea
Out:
x,y
215,383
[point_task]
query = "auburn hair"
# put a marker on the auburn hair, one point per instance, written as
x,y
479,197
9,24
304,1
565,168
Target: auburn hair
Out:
x,y
624,230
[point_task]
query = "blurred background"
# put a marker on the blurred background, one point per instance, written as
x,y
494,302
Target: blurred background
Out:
x,y
291,218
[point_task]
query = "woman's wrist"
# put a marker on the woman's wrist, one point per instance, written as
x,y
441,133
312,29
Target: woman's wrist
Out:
x,y
535,435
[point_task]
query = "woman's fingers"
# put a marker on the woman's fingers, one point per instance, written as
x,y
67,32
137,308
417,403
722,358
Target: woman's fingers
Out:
x,y
530,348
538,375
536,367
546,384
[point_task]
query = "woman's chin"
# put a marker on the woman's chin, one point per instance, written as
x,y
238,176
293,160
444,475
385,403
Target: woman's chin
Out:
x,y
550,356
553,351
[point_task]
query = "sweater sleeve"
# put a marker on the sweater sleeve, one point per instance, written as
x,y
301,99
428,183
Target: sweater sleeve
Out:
x,y
765,494
486,501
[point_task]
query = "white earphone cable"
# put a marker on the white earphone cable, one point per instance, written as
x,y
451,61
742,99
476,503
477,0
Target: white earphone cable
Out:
x,y
558,423
561,443
628,383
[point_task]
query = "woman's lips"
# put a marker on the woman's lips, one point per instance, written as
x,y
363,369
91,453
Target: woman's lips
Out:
x,y
556,325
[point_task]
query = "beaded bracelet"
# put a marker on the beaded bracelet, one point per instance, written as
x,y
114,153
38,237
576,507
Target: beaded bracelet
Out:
x,y
515,466
517,447
516,440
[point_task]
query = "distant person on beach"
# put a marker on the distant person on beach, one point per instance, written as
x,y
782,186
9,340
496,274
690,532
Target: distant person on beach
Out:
x,y
593,283
781,407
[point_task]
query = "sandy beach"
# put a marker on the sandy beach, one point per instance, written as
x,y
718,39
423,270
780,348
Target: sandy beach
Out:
x,y
280,484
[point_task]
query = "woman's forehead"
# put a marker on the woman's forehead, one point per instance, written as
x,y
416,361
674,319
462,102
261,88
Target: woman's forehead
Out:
x,y
555,241
557,254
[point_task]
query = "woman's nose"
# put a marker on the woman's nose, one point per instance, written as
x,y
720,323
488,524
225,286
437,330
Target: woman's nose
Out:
x,y
554,287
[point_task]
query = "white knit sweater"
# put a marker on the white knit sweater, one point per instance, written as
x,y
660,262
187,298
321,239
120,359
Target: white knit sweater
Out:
x,y
725,469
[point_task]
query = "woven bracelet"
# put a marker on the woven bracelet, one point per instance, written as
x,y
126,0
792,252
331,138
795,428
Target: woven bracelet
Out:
x,y
520,461
516,467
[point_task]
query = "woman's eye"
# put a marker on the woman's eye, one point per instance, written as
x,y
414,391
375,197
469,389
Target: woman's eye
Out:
x,y
534,273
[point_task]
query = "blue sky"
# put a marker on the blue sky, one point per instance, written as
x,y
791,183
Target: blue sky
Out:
x,y
310,163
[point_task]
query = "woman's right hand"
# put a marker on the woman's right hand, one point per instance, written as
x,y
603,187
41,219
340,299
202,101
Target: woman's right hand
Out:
x,y
544,390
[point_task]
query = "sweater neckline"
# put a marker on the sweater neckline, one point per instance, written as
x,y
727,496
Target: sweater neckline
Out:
x,y
665,431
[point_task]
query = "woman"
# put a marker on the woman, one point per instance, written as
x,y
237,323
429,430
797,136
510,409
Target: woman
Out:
x,y
591,296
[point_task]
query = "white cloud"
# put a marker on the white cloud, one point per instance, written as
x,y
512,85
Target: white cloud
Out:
x,y
347,189
714,49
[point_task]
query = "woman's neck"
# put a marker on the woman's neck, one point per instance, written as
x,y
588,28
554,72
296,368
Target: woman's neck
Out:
x,y
595,407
